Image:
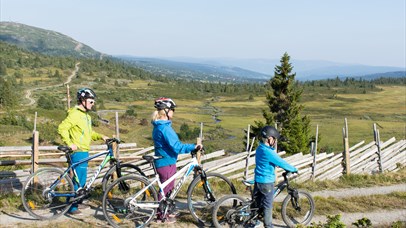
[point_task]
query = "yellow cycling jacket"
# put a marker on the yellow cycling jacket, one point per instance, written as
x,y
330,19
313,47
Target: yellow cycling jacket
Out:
x,y
76,129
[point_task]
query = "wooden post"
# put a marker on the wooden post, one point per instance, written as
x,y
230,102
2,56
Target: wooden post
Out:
x,y
248,137
314,152
35,122
68,96
35,152
377,139
115,145
247,159
199,140
346,152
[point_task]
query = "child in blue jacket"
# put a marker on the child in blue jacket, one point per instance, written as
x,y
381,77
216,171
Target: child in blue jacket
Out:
x,y
266,159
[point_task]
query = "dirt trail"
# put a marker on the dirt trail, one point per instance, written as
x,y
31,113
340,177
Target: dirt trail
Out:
x,y
28,92
94,215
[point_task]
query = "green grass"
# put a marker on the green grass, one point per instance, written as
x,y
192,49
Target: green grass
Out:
x,y
356,181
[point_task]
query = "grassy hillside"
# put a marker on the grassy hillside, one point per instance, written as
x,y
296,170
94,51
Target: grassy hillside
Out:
x,y
120,87
44,41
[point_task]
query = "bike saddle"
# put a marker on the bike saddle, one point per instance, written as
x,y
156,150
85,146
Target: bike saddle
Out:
x,y
248,183
150,158
65,149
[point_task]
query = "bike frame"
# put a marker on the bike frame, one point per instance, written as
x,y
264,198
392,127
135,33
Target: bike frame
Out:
x,y
109,156
277,190
186,170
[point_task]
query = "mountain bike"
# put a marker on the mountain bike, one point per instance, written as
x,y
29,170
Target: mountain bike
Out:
x,y
137,206
236,211
48,193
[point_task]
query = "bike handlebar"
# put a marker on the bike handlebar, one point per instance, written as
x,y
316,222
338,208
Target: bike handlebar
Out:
x,y
199,148
288,174
108,142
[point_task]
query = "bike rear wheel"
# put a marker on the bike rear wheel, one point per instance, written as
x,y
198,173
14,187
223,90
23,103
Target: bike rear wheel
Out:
x,y
116,202
37,197
231,211
201,196
125,169
293,216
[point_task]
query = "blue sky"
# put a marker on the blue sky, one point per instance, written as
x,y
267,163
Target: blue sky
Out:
x,y
370,32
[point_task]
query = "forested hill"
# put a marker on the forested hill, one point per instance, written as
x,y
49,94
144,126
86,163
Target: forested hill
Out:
x,y
113,79
44,41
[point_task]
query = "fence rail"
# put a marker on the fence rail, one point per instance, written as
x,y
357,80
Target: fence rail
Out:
x,y
363,159
374,157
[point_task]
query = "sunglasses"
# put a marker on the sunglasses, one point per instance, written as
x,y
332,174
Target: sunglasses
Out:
x,y
173,110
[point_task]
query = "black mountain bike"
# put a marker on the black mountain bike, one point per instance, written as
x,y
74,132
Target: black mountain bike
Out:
x,y
48,193
236,211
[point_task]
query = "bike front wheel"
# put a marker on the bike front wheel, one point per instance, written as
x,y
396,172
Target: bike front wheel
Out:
x,y
42,202
231,211
298,209
122,209
202,195
125,169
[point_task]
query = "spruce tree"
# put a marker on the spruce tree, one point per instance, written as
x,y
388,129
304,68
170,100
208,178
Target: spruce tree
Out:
x,y
284,109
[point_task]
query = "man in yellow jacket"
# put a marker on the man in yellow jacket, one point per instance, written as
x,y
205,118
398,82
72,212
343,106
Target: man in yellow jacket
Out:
x,y
76,132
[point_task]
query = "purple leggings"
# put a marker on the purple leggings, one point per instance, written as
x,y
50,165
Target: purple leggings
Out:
x,y
165,173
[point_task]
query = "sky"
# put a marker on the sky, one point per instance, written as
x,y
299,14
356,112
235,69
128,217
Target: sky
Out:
x,y
369,32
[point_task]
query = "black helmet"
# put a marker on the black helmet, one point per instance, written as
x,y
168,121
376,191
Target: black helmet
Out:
x,y
269,131
164,103
85,93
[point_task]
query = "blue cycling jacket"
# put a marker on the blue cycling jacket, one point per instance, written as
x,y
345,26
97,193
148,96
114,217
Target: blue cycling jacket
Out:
x,y
266,159
167,143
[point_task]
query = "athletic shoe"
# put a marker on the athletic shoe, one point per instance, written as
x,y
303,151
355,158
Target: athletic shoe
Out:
x,y
75,212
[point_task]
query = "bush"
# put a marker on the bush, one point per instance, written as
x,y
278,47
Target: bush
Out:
x,y
364,222
186,133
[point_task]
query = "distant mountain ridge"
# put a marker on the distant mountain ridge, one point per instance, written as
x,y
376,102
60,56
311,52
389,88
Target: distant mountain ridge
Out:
x,y
304,69
198,71
44,41
215,69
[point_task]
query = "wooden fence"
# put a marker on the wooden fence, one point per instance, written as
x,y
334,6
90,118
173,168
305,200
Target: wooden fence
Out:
x,y
374,157
363,159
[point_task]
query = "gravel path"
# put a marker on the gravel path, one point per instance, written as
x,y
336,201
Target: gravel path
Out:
x,y
94,215
28,92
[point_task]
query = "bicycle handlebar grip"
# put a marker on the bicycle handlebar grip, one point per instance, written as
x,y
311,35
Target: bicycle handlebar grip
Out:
x,y
111,140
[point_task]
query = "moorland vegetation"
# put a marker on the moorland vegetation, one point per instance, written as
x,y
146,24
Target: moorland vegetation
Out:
x,y
225,108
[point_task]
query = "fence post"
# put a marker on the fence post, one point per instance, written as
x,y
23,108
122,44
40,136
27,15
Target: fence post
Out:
x,y
199,140
35,152
68,96
247,159
346,152
248,138
314,152
377,139
115,146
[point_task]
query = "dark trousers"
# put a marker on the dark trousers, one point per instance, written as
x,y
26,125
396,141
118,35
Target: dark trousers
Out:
x,y
263,196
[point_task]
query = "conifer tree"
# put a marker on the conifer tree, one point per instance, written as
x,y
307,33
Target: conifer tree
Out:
x,y
284,109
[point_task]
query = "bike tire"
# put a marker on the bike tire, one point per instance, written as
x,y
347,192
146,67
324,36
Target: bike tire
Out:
x,y
37,202
126,169
231,211
293,217
116,208
200,206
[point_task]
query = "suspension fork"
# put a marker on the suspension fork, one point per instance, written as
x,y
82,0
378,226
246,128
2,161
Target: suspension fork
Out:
x,y
294,199
206,187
